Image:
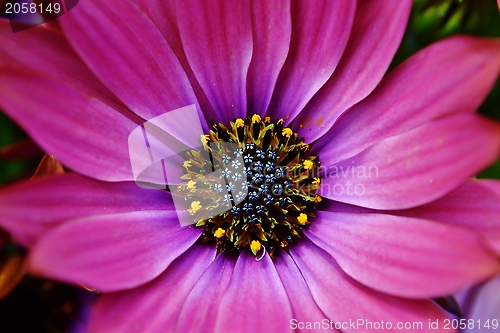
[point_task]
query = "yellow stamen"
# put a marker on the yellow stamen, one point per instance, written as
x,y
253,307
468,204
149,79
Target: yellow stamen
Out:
x,y
255,246
287,132
191,184
302,219
303,145
308,165
256,119
187,164
240,122
195,206
267,119
220,232
205,138
316,181
317,199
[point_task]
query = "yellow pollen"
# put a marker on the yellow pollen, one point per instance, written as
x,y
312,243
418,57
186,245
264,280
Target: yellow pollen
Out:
x,y
255,246
267,119
239,122
308,165
220,232
302,219
205,138
195,206
316,181
287,132
303,145
256,119
317,199
191,184
187,164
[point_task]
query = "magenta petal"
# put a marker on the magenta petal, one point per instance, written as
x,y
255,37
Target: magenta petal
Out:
x,y
217,40
450,76
474,205
319,35
125,50
53,57
377,31
82,132
342,299
69,196
304,307
154,307
162,13
403,256
200,316
272,28
255,300
416,167
112,252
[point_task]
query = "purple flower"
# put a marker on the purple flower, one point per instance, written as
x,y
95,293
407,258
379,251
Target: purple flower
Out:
x,y
481,307
372,221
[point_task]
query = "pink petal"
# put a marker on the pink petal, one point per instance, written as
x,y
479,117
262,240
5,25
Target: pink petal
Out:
x,y
125,50
154,307
342,299
474,205
82,132
416,167
30,209
255,300
217,40
54,57
450,76
377,31
403,256
112,252
320,32
304,307
272,28
163,14
199,316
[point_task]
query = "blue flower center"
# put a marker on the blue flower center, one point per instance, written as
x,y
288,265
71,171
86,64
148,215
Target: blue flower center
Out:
x,y
265,190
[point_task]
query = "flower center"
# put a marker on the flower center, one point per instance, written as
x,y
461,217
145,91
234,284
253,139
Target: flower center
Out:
x,y
262,192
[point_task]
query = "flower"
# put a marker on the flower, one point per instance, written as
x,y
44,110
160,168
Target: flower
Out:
x,y
480,305
398,220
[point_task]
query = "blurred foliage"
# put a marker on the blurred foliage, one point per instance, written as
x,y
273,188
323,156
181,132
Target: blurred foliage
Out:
x,y
432,20
12,170
41,306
